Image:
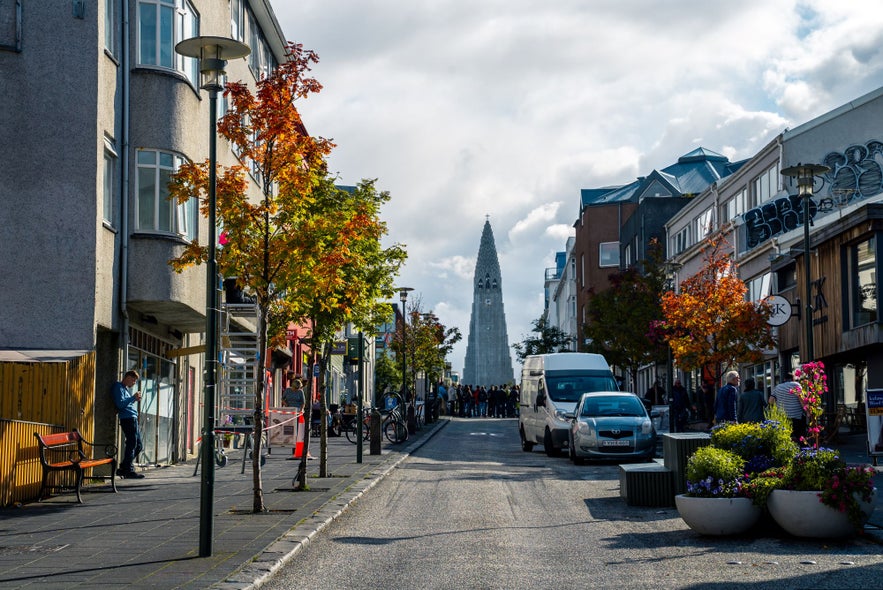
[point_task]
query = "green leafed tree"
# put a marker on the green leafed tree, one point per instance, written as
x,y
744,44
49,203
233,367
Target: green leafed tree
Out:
x,y
619,318
548,339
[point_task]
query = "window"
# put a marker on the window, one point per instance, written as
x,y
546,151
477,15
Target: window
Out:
x,y
758,287
162,24
736,206
109,25
863,282
154,211
704,224
10,25
582,270
107,192
786,278
681,240
609,254
766,185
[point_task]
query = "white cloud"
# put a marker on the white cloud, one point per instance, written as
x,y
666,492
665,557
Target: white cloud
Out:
x,y
507,108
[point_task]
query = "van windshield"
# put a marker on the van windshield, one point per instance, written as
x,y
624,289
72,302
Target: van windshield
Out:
x,y
568,387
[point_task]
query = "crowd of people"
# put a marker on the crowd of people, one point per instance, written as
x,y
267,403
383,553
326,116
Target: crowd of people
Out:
x,y
478,401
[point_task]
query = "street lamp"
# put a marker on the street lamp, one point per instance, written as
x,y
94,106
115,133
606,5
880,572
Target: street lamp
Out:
x,y
403,297
805,175
671,270
213,53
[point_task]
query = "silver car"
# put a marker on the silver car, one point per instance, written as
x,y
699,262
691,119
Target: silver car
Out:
x,y
611,425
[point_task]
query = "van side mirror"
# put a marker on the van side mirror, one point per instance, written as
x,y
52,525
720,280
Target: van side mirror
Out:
x,y
541,399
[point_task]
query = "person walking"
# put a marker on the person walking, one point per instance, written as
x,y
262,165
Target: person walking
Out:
x,y
725,404
785,396
751,403
680,405
126,404
294,397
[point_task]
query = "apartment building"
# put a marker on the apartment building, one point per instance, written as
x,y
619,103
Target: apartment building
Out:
x,y
97,111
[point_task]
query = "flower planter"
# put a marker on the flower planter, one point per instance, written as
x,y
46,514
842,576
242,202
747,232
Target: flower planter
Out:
x,y
717,516
802,514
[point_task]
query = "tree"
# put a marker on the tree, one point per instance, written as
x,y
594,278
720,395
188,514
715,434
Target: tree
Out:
x,y
709,323
618,317
269,137
386,375
549,339
339,272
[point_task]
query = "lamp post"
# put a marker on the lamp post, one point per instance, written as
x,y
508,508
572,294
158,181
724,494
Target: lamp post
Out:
x,y
213,53
403,297
805,175
671,269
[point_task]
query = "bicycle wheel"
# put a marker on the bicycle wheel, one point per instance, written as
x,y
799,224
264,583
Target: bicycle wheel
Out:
x,y
396,431
349,430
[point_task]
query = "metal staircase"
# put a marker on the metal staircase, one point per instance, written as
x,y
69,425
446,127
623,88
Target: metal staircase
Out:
x,y
240,361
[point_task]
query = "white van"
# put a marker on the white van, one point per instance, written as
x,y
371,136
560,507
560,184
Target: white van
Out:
x,y
551,385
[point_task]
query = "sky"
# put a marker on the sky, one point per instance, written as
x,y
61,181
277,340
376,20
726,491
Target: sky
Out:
x,y
467,110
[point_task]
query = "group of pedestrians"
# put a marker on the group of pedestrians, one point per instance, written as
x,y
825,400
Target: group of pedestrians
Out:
x,y
478,401
749,405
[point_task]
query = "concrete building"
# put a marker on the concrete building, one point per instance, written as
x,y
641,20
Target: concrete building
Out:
x,y
488,359
97,112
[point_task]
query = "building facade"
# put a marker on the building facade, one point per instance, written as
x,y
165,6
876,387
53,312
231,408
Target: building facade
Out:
x,y
91,135
488,360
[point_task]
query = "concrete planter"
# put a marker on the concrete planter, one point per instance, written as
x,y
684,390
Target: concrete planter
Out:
x,y
802,514
717,516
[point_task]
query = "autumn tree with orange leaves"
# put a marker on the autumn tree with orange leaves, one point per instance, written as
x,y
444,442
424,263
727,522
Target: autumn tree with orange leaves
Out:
x,y
267,133
709,323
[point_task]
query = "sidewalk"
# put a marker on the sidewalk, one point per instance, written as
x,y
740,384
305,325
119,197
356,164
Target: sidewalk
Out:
x,y
147,535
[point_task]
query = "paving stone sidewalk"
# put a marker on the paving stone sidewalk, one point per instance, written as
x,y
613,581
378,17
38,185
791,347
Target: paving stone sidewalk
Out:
x,y
147,535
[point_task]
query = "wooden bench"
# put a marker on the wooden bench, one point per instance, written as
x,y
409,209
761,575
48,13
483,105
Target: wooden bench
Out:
x,y
66,451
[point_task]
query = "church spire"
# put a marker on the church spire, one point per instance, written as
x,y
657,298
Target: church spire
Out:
x,y
488,361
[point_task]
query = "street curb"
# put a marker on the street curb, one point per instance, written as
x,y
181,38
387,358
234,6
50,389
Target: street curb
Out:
x,y
276,555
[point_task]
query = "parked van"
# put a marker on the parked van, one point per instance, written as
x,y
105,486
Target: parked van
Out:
x,y
551,385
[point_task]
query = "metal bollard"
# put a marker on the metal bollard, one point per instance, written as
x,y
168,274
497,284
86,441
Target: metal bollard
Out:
x,y
376,421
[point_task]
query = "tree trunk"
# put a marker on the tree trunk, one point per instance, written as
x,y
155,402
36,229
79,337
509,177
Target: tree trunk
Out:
x,y
258,500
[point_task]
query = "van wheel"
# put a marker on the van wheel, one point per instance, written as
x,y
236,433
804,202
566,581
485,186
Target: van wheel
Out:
x,y
550,449
525,445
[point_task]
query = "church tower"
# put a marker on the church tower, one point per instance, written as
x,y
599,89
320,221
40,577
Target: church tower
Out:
x,y
487,350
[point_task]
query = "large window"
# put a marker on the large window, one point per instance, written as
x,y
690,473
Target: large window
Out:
x,y
766,185
609,254
863,282
109,25
161,25
758,287
704,224
155,212
736,206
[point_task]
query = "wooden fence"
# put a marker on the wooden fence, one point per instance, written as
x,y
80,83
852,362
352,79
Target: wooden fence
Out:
x,y
52,394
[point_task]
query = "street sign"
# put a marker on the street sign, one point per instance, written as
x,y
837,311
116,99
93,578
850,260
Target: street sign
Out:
x,y
316,370
781,310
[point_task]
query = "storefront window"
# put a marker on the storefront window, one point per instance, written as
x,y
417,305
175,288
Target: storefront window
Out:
x,y
157,410
863,282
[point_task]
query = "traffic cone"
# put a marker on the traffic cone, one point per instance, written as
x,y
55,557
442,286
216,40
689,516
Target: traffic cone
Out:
x,y
298,451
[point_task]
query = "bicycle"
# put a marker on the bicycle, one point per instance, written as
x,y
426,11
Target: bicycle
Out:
x,y
350,429
394,427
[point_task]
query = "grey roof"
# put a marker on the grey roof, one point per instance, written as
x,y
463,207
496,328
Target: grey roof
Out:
x,y
691,174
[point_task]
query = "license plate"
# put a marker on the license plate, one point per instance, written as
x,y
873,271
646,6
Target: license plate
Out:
x,y
615,443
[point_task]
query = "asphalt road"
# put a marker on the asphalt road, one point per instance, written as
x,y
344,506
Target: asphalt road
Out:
x,y
471,510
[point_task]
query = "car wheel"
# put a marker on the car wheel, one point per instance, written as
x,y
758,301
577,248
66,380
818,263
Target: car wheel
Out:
x,y
572,453
550,449
526,446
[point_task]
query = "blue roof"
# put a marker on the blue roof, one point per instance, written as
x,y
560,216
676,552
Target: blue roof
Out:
x,y
691,174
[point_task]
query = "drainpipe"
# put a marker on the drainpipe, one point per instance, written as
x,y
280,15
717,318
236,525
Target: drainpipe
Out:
x,y
124,198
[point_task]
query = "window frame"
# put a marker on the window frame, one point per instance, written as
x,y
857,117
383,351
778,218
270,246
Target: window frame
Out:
x,y
108,189
605,249
179,214
185,24
855,268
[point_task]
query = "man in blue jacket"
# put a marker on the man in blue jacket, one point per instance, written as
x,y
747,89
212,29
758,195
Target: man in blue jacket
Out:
x,y
126,404
725,405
